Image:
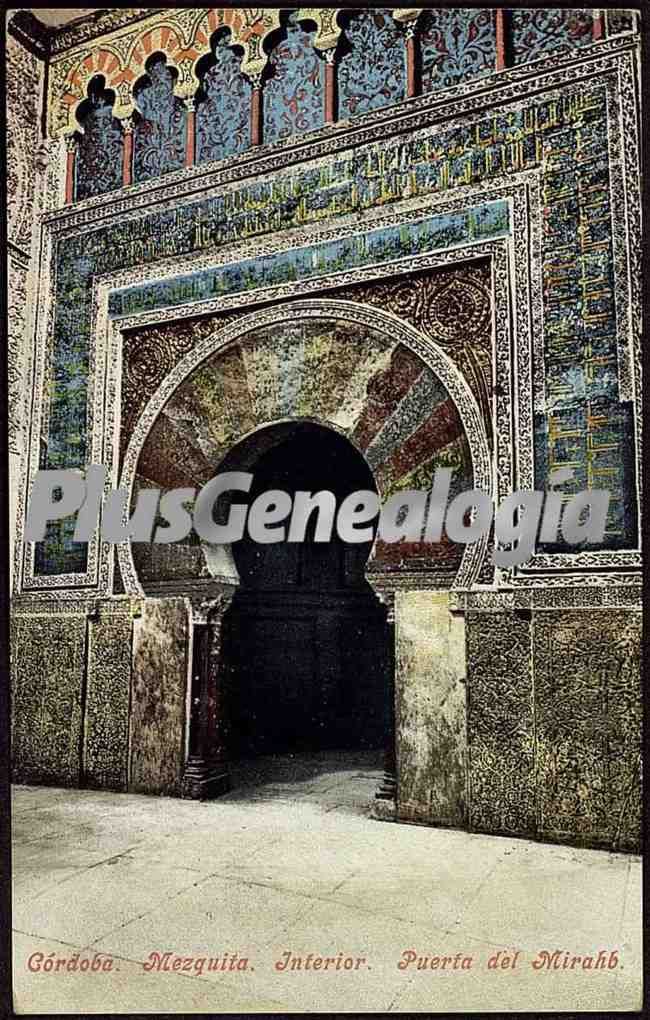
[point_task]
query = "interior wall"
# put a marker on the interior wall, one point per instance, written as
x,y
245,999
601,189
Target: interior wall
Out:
x,y
430,711
25,74
524,723
99,694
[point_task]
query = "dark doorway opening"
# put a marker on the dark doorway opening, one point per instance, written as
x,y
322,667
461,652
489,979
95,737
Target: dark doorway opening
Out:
x,y
306,641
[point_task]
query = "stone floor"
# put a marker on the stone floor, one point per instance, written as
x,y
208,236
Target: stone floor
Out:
x,y
290,862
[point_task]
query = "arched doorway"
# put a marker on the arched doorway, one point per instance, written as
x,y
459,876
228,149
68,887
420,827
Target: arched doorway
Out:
x,y
362,372
305,643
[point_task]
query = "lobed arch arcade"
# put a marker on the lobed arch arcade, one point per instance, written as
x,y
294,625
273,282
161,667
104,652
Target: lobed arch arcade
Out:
x,y
179,92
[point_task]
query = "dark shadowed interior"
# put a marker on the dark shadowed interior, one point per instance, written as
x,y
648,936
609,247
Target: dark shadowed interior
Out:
x,y
306,639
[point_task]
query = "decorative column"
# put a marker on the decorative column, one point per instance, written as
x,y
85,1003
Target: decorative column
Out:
x,y
500,32
598,25
190,132
71,155
127,154
330,86
256,109
408,18
206,770
411,78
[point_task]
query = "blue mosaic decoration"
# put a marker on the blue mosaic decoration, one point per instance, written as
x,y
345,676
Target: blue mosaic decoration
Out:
x,y
223,116
294,94
431,234
373,73
566,136
99,151
159,136
456,44
594,437
67,385
535,33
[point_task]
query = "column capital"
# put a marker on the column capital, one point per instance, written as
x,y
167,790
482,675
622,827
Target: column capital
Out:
x,y
330,56
128,123
218,605
71,142
45,151
407,15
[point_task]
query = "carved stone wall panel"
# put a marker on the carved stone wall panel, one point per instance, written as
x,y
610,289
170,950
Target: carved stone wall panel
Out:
x,y
454,307
537,32
149,355
223,112
456,45
100,150
588,723
24,90
293,95
24,86
158,694
159,137
106,727
47,681
430,710
500,723
16,355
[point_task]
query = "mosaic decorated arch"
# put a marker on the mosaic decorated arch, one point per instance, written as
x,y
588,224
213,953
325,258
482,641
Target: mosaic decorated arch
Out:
x,y
394,393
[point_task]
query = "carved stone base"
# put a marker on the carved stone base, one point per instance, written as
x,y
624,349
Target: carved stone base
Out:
x,y
383,808
384,805
203,779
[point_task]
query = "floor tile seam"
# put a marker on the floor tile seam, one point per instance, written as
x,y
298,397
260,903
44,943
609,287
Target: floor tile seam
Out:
x,y
180,892
77,871
378,915
163,902
499,861
172,867
17,842
47,938
399,994
342,882
210,873
81,869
